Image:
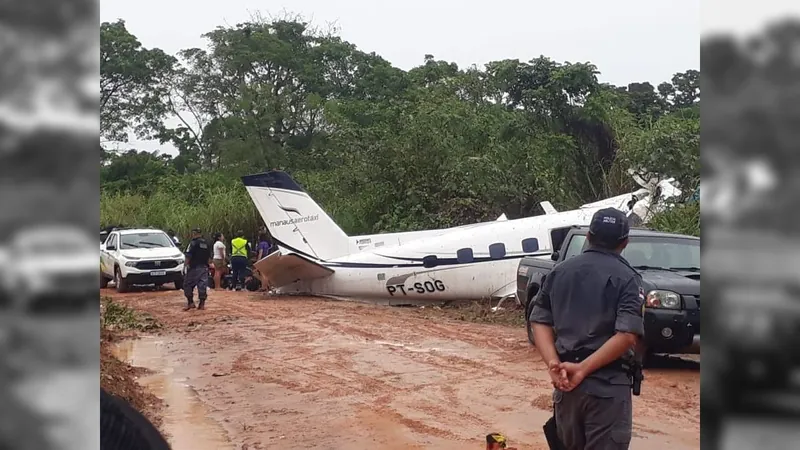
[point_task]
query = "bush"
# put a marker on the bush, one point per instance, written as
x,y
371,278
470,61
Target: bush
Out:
x,y
681,219
115,316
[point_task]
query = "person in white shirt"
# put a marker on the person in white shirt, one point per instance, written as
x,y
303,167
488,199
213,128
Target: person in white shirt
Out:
x,y
219,258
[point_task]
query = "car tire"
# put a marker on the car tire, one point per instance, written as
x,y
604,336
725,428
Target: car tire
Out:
x,y
122,285
179,284
103,281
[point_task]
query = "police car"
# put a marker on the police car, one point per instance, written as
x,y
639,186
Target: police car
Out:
x,y
140,257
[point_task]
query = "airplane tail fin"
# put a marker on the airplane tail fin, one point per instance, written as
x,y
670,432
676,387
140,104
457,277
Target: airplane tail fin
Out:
x,y
295,221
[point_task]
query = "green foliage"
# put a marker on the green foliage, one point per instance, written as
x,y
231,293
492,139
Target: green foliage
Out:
x,y
382,149
211,201
116,316
681,219
132,82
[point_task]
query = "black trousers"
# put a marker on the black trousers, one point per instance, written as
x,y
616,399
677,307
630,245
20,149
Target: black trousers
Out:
x,y
587,422
196,277
238,267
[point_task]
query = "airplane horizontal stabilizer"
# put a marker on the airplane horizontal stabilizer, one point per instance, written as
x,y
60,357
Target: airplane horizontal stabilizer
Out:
x,y
548,208
281,270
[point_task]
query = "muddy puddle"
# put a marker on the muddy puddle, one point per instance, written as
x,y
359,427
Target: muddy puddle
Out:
x,y
185,419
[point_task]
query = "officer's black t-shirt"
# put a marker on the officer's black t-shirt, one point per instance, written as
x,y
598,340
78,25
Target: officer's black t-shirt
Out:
x,y
199,252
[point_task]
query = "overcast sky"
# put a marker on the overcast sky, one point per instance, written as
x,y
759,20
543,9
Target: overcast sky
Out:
x,y
628,40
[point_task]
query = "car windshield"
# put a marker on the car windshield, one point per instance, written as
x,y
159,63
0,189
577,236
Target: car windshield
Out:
x,y
145,240
663,253
652,252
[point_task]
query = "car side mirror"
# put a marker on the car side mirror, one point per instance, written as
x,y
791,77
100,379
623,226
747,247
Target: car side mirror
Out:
x,y
110,247
554,256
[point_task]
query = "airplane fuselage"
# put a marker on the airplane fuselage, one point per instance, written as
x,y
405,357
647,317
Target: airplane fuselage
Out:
x,y
468,262
475,261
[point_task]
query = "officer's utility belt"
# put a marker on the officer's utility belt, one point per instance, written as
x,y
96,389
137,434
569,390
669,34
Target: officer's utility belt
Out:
x,y
580,355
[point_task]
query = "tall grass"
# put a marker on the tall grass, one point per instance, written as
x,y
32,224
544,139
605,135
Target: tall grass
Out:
x,y
682,219
224,209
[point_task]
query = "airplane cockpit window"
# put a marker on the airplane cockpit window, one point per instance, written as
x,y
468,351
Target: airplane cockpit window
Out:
x,y
465,256
430,261
530,245
497,251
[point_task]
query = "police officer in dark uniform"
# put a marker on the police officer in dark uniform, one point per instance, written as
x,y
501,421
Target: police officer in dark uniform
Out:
x,y
587,319
198,258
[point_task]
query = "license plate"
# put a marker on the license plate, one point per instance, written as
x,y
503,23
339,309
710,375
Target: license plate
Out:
x,y
159,273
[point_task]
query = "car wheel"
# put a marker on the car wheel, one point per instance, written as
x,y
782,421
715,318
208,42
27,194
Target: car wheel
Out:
x,y
122,285
179,284
103,281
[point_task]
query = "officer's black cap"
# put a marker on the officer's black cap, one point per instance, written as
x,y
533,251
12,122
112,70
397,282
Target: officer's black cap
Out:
x,y
609,226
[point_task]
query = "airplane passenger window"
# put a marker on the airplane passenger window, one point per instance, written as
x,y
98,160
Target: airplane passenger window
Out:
x,y
465,256
497,251
530,245
430,261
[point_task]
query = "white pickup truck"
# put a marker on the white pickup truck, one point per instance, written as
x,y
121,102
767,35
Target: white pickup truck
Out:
x,y
140,257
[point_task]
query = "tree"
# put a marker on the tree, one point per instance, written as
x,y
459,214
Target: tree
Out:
x,y
387,150
132,82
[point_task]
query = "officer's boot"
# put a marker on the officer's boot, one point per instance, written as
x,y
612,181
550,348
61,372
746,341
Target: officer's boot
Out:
x,y
190,304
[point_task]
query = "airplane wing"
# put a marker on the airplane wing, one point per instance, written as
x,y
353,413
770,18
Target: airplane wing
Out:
x,y
282,269
548,208
509,290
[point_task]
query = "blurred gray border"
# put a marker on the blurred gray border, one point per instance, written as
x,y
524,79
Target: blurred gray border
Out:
x,y
49,173
750,65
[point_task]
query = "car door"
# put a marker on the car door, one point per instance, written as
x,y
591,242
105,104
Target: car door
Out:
x,y
107,255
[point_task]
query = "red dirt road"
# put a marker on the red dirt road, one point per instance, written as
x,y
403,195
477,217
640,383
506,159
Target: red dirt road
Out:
x,y
323,374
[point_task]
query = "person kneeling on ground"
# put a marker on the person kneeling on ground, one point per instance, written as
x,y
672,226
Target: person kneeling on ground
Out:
x,y
198,260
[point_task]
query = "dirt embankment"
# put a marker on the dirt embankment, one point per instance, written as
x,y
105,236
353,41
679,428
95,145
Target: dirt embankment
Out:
x,y
117,377
316,374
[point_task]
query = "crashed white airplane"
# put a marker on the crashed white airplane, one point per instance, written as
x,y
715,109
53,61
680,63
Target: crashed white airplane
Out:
x,y
468,262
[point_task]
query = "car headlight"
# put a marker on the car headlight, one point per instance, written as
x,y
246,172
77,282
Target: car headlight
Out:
x,y
130,264
663,299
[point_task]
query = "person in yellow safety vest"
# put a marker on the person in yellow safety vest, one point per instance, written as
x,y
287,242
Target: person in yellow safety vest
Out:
x,y
240,254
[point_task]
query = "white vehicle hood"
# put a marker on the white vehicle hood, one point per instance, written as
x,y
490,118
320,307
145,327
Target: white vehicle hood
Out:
x,y
152,253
